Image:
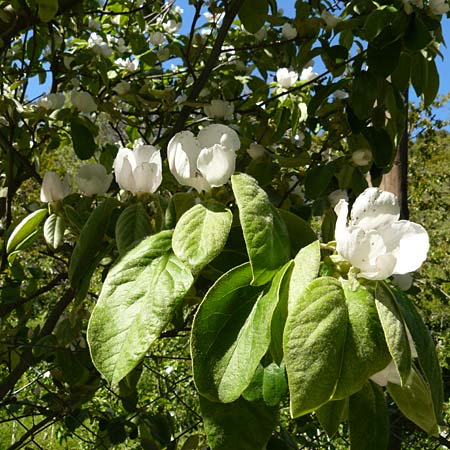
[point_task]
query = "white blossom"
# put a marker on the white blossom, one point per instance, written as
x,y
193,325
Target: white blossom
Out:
x,y
362,157
308,74
94,24
205,161
286,78
157,38
439,7
171,26
219,109
288,31
408,5
99,46
93,179
299,138
52,101
330,19
53,189
214,17
138,170
375,241
83,101
120,45
128,64
260,35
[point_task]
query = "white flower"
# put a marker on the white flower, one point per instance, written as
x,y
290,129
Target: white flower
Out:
x,y
83,101
299,139
308,74
98,45
93,179
120,45
214,17
362,157
375,241
219,109
205,161
336,196
52,101
94,24
256,151
330,19
439,7
122,88
128,64
171,26
138,170
157,38
53,189
288,31
286,78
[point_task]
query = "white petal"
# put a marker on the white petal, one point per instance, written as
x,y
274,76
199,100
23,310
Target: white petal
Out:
x,y
147,178
182,153
341,210
143,154
374,208
216,164
218,134
412,248
384,267
124,171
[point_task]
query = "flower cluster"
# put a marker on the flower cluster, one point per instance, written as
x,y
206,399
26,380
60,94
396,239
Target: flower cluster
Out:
x,y
376,241
205,161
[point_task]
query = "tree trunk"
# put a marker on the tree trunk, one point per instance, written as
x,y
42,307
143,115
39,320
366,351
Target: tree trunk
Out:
x,y
396,181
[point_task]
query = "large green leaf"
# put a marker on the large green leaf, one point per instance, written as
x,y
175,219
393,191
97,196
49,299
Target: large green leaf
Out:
x,y
333,342
82,138
426,351
415,401
332,414
90,240
265,233
306,268
240,425
253,14
394,330
300,232
274,383
47,9
231,333
24,230
132,226
368,419
137,301
201,234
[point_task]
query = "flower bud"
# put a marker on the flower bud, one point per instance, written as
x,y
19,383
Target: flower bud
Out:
x,y
53,189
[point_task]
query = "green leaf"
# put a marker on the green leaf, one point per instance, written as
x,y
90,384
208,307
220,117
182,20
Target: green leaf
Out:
x,y
47,9
25,230
333,342
432,86
314,338
394,330
300,232
415,401
274,384
381,145
306,268
240,425
132,226
265,233
417,35
364,94
82,138
400,76
54,228
201,234
179,203
137,301
317,180
253,13
231,333
368,419
419,73
426,352
332,414
90,240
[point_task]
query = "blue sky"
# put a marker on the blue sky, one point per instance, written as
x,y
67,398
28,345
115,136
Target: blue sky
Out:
x,y
289,11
